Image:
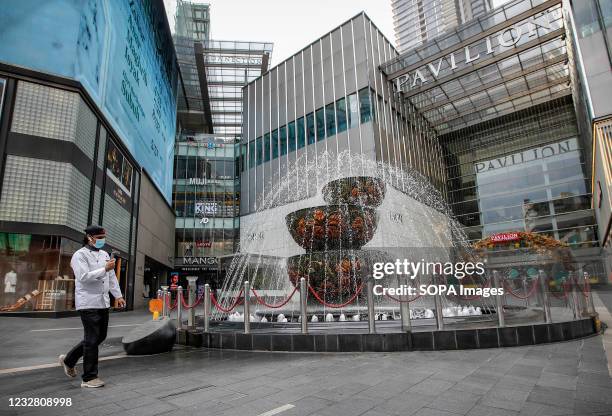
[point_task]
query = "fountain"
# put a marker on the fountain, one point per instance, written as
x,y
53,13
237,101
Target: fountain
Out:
x,y
342,214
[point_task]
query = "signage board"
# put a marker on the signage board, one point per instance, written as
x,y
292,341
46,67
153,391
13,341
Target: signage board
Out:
x,y
504,237
507,38
121,51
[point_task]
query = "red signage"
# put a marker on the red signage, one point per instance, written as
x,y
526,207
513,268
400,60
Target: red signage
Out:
x,y
504,237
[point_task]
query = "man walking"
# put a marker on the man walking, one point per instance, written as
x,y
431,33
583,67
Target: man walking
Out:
x,y
94,274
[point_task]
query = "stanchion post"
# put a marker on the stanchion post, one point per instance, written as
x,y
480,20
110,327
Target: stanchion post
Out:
x,y
438,306
164,301
206,307
191,321
303,297
247,311
575,304
179,307
587,284
544,296
371,320
404,305
501,320
525,293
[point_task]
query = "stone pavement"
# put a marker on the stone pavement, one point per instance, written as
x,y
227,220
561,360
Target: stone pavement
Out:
x,y
35,341
558,379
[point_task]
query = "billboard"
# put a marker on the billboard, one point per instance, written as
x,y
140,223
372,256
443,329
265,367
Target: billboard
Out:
x,y
122,53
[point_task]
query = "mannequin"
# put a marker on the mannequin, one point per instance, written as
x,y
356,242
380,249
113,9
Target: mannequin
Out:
x,y
10,282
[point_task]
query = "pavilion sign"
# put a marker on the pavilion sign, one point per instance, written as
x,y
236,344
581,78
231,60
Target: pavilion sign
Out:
x,y
508,37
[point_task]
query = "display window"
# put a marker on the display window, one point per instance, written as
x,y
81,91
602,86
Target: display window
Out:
x,y
36,273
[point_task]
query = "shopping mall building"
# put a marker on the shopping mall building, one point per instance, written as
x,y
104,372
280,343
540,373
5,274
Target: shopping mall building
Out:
x,y
87,132
507,115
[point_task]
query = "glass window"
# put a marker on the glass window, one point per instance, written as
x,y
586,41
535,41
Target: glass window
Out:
x,y
365,106
259,151
353,113
585,14
341,114
2,83
320,116
301,133
605,6
283,140
330,120
35,262
292,145
251,154
274,144
243,156
575,203
567,190
310,128
563,173
266,147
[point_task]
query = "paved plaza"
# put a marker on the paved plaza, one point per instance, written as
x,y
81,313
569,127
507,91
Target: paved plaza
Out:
x,y
558,379
570,378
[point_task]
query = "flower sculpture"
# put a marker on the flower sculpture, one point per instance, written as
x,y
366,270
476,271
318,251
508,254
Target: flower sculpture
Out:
x,y
333,235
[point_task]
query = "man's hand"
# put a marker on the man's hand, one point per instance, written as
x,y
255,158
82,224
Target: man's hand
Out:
x,y
110,265
121,303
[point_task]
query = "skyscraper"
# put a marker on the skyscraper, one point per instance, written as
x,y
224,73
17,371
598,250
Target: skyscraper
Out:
x,y
417,21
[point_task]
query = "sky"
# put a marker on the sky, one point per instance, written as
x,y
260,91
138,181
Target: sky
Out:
x,y
288,24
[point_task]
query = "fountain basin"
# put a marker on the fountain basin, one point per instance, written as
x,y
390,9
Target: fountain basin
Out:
x,y
331,227
356,190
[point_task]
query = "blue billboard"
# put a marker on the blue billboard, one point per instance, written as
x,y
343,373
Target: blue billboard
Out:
x,y
122,53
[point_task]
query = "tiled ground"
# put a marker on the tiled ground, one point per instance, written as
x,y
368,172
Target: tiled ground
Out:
x,y
557,379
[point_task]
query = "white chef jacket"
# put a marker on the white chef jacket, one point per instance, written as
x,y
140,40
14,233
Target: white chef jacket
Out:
x,y
92,281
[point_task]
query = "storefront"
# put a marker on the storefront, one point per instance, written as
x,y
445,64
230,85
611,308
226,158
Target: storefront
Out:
x,y
77,137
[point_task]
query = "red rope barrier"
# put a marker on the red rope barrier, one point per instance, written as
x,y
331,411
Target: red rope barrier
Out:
x,y
403,301
168,302
587,286
530,292
335,306
278,305
231,308
197,302
565,291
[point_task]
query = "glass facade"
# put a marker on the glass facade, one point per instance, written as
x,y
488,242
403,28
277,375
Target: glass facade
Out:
x,y
206,202
93,180
230,65
206,195
522,172
315,126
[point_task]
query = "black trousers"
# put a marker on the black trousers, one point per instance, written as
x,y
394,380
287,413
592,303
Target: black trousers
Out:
x,y
95,325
